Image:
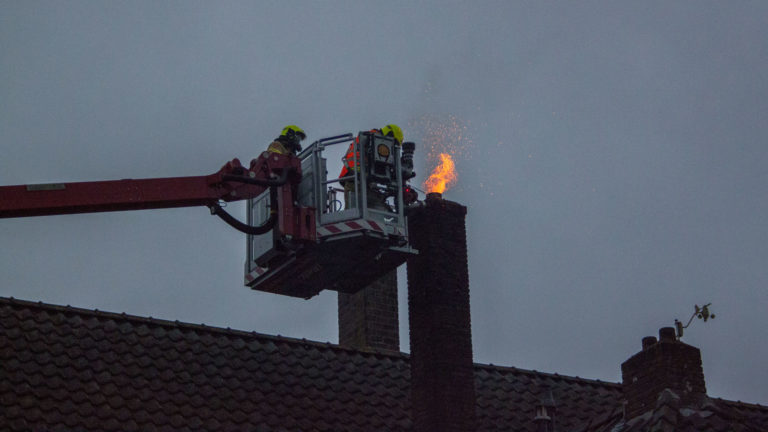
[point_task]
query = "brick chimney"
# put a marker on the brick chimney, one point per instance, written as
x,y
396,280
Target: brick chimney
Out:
x,y
368,318
663,364
442,376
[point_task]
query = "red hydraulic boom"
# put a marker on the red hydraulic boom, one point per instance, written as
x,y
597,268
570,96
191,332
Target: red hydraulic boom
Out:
x,y
232,182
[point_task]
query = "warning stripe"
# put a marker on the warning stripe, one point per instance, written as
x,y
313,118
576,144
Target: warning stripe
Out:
x,y
332,229
342,227
252,276
354,225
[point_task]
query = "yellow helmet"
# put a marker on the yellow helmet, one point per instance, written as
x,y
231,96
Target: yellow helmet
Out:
x,y
393,130
292,130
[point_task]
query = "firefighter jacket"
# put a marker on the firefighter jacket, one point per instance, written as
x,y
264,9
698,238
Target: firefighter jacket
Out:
x,y
278,147
350,157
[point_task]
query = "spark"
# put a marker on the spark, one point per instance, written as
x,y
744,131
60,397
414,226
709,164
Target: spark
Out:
x,y
442,135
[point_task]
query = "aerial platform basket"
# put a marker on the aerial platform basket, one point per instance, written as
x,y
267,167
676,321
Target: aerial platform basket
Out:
x,y
349,238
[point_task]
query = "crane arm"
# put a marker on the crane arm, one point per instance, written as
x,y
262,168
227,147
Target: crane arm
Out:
x,y
232,182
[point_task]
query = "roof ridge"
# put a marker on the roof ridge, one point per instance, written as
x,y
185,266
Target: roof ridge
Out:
x,y
555,375
122,316
742,404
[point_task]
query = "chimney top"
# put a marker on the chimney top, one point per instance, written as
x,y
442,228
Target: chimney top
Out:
x,y
434,196
648,342
667,334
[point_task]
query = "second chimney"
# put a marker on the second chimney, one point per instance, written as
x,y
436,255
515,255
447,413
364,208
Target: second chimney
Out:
x,y
666,364
368,318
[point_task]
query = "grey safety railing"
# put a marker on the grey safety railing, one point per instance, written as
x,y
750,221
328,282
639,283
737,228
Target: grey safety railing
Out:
x,y
319,191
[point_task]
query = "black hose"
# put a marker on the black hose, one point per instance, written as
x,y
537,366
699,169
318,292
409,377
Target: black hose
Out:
x,y
242,227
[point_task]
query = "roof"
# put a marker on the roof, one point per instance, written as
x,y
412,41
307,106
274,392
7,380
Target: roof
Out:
x,y
71,368
67,368
507,398
88,370
707,415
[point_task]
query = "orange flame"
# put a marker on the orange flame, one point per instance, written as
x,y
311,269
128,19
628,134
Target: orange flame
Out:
x,y
443,176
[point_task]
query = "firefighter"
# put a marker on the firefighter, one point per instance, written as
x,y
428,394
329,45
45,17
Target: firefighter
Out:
x,y
289,141
350,166
391,130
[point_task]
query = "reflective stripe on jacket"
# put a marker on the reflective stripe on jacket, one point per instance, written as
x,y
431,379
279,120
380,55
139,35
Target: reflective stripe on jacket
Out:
x,y
349,158
278,147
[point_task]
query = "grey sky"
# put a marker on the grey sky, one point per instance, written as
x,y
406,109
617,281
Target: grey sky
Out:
x,y
612,156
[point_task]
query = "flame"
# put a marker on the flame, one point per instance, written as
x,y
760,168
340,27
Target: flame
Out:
x,y
443,176
444,137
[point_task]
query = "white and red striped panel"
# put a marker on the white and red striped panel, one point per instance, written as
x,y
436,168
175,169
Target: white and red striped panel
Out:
x,y
344,227
252,276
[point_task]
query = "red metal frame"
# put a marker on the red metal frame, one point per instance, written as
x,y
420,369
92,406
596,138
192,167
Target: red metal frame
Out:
x,y
141,194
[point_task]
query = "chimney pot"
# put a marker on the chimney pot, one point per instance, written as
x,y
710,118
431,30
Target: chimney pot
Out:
x,y
434,196
648,342
667,334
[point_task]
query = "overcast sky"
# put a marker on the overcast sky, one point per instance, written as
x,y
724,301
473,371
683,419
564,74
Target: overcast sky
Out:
x,y
612,156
